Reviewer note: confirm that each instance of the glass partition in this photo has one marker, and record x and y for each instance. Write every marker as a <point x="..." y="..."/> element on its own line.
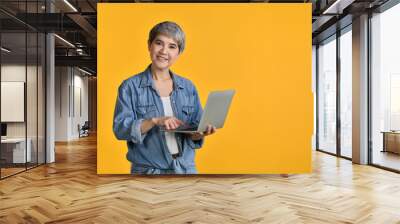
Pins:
<point x="22" y="77"/>
<point x="385" y="88"/>
<point x="327" y="95"/>
<point x="346" y="93"/>
<point x="14" y="154"/>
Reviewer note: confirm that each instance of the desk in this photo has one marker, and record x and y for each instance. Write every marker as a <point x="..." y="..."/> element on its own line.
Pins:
<point x="391" y="141"/>
<point x="13" y="150"/>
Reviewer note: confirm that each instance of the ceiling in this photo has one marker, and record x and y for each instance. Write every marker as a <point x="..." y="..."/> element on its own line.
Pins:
<point x="76" y="22"/>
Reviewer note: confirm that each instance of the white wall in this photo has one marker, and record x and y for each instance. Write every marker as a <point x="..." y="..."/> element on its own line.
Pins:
<point x="62" y="78"/>
<point x="81" y="100"/>
<point x="16" y="73"/>
<point x="13" y="72"/>
<point x="314" y="91"/>
<point x="33" y="126"/>
<point x="71" y="94"/>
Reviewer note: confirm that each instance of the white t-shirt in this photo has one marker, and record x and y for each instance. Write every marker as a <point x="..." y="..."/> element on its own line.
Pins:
<point x="170" y="137"/>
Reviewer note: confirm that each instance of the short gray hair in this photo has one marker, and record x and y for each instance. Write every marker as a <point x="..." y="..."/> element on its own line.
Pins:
<point x="171" y="30"/>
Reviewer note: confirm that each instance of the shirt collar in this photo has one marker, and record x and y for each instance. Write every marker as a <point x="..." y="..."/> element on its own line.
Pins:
<point x="147" y="79"/>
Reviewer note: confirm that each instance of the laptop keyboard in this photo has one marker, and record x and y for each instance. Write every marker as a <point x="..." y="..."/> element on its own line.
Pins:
<point x="187" y="128"/>
<point x="183" y="128"/>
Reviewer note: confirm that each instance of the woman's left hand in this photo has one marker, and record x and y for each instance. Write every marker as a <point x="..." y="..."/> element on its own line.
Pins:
<point x="199" y="135"/>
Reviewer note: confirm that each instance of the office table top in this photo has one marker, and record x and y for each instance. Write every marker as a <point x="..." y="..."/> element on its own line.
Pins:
<point x="13" y="140"/>
<point x="392" y="132"/>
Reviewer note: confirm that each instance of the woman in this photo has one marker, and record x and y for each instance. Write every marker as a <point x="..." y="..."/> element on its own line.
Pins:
<point x="158" y="97"/>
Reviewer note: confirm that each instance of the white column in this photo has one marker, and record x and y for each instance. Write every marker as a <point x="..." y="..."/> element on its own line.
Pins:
<point x="50" y="93"/>
<point x="50" y="110"/>
<point x="360" y="90"/>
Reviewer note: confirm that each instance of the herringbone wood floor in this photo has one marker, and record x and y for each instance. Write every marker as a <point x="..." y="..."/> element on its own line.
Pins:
<point x="70" y="191"/>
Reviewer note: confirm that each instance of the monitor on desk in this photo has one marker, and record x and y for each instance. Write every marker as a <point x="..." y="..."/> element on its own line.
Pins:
<point x="3" y="130"/>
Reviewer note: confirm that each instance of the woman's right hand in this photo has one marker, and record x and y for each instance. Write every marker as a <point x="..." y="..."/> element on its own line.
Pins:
<point x="168" y="122"/>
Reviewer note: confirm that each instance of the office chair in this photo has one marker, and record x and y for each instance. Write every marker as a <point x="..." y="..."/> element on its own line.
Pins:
<point x="84" y="130"/>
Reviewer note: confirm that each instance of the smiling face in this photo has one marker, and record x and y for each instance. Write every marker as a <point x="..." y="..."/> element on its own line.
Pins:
<point x="163" y="51"/>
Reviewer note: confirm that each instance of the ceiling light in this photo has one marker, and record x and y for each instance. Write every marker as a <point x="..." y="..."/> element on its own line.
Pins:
<point x="71" y="6"/>
<point x="338" y="6"/>
<point x="5" y="50"/>
<point x="64" y="40"/>
<point x="84" y="71"/>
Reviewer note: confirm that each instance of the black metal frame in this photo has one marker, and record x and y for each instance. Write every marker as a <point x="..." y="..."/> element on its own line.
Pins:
<point x="316" y="98"/>
<point x="26" y="89"/>
<point x="37" y="164"/>
<point x="380" y="9"/>
<point x="369" y="90"/>
<point x="338" y="153"/>
<point x="37" y="92"/>
<point x="0" y="90"/>
<point x="338" y="98"/>
<point x="389" y="4"/>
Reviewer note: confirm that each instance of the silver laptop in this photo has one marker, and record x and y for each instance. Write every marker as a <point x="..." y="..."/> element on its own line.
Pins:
<point x="215" y="112"/>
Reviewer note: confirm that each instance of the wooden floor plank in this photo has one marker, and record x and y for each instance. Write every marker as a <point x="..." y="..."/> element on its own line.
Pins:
<point x="70" y="191"/>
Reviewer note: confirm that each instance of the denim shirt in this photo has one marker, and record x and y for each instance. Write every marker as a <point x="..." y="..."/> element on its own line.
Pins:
<point x="138" y="100"/>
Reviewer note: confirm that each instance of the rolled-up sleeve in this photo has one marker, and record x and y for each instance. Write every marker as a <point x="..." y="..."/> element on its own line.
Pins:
<point x="198" y="111"/>
<point x="126" y="126"/>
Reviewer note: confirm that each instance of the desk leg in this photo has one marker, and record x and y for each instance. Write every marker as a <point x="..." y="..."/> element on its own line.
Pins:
<point x="384" y="142"/>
